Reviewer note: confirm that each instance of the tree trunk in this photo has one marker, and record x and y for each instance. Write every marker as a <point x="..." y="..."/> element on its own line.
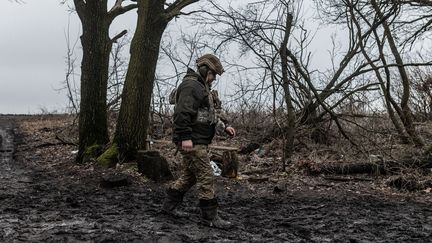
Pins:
<point x="96" y="46"/>
<point x="385" y="85"/>
<point x="407" y="118"/>
<point x="133" y="120"/>
<point x="289" y="132"/>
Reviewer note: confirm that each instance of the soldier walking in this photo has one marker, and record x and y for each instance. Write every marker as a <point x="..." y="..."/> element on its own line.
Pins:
<point x="195" y="122"/>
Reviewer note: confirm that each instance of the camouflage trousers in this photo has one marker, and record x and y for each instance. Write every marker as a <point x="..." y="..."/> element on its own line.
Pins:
<point x="196" y="170"/>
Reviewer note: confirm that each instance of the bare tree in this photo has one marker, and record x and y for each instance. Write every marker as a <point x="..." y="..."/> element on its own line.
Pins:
<point x="133" y="121"/>
<point x="422" y="93"/>
<point x="383" y="54"/>
<point x="96" y="44"/>
<point x="260" y="28"/>
<point x="406" y="117"/>
<point x="384" y="78"/>
<point x="414" y="24"/>
<point x="286" y="79"/>
<point x="117" y="74"/>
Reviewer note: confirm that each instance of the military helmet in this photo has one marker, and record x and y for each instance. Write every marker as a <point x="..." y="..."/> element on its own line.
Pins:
<point x="212" y="62"/>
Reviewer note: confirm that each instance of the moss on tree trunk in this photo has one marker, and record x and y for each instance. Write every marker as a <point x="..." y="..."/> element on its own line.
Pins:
<point x="133" y="121"/>
<point x="96" y="46"/>
<point x="110" y="157"/>
<point x="91" y="153"/>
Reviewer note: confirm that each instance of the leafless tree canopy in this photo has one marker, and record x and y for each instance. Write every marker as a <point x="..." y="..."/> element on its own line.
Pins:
<point x="375" y="67"/>
<point x="370" y="73"/>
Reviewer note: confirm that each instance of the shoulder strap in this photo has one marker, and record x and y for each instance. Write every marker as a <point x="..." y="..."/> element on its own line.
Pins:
<point x="172" y="97"/>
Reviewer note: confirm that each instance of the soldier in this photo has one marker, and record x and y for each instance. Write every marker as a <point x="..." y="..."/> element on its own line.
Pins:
<point x="195" y="122"/>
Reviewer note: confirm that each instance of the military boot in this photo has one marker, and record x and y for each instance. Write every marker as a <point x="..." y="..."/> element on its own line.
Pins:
<point x="172" y="200"/>
<point x="209" y="214"/>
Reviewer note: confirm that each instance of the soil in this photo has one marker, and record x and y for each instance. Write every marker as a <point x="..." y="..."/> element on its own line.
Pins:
<point x="46" y="197"/>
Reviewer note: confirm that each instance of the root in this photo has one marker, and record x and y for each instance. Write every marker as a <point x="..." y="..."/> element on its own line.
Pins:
<point x="110" y="157"/>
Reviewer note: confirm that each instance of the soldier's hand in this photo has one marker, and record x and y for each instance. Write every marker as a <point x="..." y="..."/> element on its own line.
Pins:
<point x="230" y="131"/>
<point x="187" y="145"/>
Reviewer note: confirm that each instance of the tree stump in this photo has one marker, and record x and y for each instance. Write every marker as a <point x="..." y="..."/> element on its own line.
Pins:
<point x="228" y="163"/>
<point x="153" y="165"/>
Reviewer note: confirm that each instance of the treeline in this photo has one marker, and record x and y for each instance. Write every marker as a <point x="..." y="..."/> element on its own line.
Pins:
<point x="375" y="71"/>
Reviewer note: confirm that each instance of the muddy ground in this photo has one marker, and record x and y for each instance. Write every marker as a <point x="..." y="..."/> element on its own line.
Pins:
<point x="45" y="197"/>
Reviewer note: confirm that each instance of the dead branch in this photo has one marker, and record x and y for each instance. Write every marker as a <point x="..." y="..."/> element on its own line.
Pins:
<point x="64" y="141"/>
<point x="175" y="8"/>
<point x="345" y="179"/>
<point x="118" y="36"/>
<point x="380" y="167"/>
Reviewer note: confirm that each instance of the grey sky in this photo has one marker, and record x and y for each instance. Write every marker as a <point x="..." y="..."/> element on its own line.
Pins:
<point x="33" y="50"/>
<point x="30" y="64"/>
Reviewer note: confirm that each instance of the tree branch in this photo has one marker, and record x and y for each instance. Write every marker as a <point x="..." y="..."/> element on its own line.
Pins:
<point x="80" y="7"/>
<point x="417" y="2"/>
<point x="175" y="8"/>
<point x="118" y="36"/>
<point x="118" y="4"/>
<point x="119" y="10"/>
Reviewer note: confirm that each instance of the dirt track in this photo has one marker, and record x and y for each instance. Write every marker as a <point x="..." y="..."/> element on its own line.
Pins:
<point x="48" y="199"/>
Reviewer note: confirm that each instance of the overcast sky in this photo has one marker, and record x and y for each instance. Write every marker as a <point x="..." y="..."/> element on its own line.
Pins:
<point x="31" y="60"/>
<point x="32" y="54"/>
<point x="33" y="50"/>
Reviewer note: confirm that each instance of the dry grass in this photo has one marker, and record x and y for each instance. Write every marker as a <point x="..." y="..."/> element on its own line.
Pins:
<point x="377" y="141"/>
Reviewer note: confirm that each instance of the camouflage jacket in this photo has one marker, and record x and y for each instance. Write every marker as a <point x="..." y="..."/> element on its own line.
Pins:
<point x="197" y="112"/>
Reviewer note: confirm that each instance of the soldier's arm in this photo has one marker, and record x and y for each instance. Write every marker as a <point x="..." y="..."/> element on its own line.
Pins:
<point x="223" y="125"/>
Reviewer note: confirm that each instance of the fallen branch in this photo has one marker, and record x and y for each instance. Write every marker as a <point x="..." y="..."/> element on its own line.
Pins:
<point x="64" y="142"/>
<point x="44" y="145"/>
<point x="344" y="179"/>
<point x="380" y="167"/>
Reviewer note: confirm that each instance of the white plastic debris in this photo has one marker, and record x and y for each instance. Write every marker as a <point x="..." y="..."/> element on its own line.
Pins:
<point x="74" y="151"/>
<point x="216" y="170"/>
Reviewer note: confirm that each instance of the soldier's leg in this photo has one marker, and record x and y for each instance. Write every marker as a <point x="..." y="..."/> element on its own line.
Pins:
<point x="203" y="173"/>
<point x="205" y="183"/>
<point x="187" y="176"/>
<point x="175" y="192"/>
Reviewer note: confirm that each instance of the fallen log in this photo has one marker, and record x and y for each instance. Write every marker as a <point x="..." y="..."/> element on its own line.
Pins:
<point x="376" y="167"/>
<point x="345" y="179"/>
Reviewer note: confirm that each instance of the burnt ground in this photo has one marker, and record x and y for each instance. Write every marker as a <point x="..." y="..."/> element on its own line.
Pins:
<point x="45" y="197"/>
